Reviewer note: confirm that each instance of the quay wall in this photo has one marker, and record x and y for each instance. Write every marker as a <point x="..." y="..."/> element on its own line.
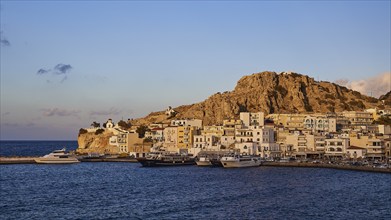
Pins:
<point x="330" y="166"/>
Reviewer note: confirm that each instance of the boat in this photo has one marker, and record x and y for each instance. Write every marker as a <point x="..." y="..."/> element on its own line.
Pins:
<point x="57" y="157"/>
<point x="212" y="158"/>
<point x="240" y="161"/>
<point x="154" y="159"/>
<point x="216" y="162"/>
<point x="203" y="161"/>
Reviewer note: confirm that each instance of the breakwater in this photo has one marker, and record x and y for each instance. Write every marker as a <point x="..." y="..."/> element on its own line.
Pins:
<point x="31" y="160"/>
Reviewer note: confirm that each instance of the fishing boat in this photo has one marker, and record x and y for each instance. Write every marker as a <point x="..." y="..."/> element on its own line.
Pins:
<point x="57" y="157"/>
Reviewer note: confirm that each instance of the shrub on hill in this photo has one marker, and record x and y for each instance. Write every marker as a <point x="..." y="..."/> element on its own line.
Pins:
<point x="99" y="131"/>
<point x="82" y="131"/>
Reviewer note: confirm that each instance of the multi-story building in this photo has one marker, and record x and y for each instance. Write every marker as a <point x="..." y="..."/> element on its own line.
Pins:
<point x="375" y="148"/>
<point x="209" y="142"/>
<point x="252" y="119"/>
<point x="358" y="118"/>
<point x="247" y="148"/>
<point x="289" y="121"/>
<point x="170" y="134"/>
<point x="336" y="147"/>
<point x="129" y="142"/>
<point x="185" y="136"/>
<point x="187" y="122"/>
<point x="320" y="124"/>
<point x="227" y="141"/>
<point x="375" y="145"/>
<point x="156" y="134"/>
<point x="304" y="145"/>
<point x="230" y="126"/>
<point x="213" y="130"/>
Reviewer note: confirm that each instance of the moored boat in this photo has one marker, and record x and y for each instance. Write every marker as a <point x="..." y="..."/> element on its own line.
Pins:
<point x="165" y="159"/>
<point x="57" y="157"/>
<point x="240" y="161"/>
<point x="216" y="162"/>
<point x="203" y="161"/>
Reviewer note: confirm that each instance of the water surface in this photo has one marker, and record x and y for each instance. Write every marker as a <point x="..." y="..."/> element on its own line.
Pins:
<point x="128" y="191"/>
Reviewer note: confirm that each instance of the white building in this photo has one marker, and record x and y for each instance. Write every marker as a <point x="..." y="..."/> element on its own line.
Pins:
<point x="170" y="138"/>
<point x="252" y="119"/>
<point x="355" y="152"/>
<point x="187" y="122"/>
<point x="320" y="124"/>
<point x="227" y="141"/>
<point x="247" y="148"/>
<point x="336" y="147"/>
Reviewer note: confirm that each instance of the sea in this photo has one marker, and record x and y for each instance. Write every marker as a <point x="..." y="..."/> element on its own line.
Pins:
<point x="120" y="190"/>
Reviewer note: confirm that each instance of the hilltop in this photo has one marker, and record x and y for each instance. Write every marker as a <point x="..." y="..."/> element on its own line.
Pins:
<point x="271" y="92"/>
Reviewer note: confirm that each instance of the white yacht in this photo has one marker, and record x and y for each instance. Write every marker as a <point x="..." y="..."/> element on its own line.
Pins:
<point x="240" y="161"/>
<point x="57" y="157"/>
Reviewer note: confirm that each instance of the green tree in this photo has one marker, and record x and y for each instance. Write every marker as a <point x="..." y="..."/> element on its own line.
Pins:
<point x="148" y="140"/>
<point x="124" y="125"/>
<point x="95" y="124"/>
<point x="82" y="131"/>
<point x="383" y="120"/>
<point x="141" y="131"/>
<point x="99" y="131"/>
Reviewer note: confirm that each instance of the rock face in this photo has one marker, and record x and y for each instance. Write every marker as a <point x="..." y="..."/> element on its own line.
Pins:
<point x="386" y="98"/>
<point x="270" y="92"/>
<point x="95" y="143"/>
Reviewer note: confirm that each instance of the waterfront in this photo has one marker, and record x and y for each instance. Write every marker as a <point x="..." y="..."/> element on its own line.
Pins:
<point x="128" y="191"/>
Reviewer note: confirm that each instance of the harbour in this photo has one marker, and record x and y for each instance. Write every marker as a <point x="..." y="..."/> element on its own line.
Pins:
<point x="31" y="160"/>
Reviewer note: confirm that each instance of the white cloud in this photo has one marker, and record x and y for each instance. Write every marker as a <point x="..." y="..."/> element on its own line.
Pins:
<point x="111" y="111"/>
<point x="373" y="86"/>
<point x="60" y="112"/>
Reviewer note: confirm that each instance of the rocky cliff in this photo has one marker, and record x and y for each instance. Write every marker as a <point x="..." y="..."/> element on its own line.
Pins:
<point x="271" y="92"/>
<point x="91" y="142"/>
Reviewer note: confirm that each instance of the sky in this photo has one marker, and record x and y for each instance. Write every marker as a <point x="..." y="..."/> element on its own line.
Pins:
<point x="65" y="64"/>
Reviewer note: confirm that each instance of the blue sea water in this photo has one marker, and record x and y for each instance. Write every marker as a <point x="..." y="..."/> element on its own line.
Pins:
<point x="129" y="191"/>
<point x="33" y="148"/>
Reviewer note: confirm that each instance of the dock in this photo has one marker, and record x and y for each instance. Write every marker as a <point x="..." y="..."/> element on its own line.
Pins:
<point x="31" y="160"/>
<point x="17" y="160"/>
<point x="329" y="166"/>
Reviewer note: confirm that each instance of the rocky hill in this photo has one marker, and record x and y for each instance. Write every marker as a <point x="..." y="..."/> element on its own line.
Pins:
<point x="386" y="98"/>
<point x="271" y="92"/>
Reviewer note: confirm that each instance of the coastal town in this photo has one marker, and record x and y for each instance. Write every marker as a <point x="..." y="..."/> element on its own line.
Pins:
<point x="357" y="136"/>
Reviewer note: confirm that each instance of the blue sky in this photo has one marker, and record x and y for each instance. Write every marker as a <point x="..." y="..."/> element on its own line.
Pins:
<point x="126" y="59"/>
